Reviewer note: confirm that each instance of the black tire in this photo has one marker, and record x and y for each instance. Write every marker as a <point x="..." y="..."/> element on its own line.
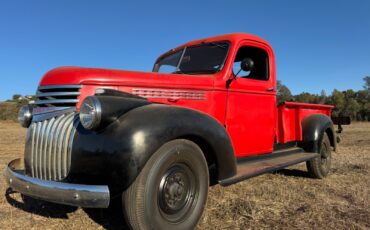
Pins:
<point x="320" y="167"/>
<point x="171" y="190"/>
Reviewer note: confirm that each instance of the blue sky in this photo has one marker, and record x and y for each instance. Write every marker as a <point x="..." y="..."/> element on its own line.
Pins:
<point x="318" y="44"/>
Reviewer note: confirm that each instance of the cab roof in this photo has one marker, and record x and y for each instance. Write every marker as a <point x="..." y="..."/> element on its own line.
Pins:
<point x="232" y="37"/>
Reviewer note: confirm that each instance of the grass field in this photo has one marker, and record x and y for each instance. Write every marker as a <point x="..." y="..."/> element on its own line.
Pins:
<point x="284" y="200"/>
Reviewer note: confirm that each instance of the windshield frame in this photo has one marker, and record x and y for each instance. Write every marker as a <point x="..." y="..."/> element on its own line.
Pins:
<point x="183" y="50"/>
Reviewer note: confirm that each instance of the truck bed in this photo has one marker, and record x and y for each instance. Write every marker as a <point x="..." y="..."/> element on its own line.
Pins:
<point x="290" y="116"/>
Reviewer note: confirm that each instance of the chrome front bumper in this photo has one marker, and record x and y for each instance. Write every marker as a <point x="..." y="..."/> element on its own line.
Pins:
<point x="89" y="196"/>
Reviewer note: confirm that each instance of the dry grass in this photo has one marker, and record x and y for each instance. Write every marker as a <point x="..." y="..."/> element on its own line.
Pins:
<point x="288" y="199"/>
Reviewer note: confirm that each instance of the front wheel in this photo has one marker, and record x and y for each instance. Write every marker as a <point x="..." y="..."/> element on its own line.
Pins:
<point x="171" y="190"/>
<point x="319" y="167"/>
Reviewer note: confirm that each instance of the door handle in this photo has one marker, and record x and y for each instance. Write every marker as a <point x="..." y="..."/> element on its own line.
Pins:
<point x="270" y="89"/>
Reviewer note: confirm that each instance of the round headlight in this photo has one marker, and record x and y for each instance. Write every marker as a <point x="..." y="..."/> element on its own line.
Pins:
<point x="25" y="116"/>
<point x="90" y="113"/>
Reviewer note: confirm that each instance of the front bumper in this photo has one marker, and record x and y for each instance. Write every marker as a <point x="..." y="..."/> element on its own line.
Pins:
<point x="89" y="196"/>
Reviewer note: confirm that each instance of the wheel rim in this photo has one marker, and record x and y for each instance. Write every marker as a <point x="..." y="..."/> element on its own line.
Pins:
<point x="177" y="192"/>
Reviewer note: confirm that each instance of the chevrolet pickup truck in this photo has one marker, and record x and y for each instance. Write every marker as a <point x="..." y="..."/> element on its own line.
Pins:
<point x="206" y="114"/>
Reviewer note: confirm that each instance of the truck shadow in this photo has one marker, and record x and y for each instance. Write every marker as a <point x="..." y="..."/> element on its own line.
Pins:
<point x="109" y="218"/>
<point x="38" y="207"/>
<point x="293" y="173"/>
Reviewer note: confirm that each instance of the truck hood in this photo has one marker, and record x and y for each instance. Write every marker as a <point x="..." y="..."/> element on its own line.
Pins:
<point x="110" y="77"/>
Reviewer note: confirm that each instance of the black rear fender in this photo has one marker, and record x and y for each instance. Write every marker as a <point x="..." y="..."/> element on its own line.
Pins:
<point x="313" y="129"/>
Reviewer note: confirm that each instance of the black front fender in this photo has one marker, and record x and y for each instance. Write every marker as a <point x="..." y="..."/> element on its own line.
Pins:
<point x="117" y="153"/>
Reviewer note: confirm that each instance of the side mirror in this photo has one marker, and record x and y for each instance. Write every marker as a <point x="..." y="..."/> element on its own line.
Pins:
<point x="247" y="64"/>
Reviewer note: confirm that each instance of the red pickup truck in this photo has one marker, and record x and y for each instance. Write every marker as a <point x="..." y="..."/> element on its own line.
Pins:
<point x="207" y="114"/>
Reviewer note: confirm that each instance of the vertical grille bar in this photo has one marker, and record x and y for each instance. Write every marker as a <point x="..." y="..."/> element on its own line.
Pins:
<point x="65" y="146"/>
<point x="42" y="137"/>
<point x="70" y="141"/>
<point x="51" y="146"/>
<point x="35" y="156"/>
<point x="60" y="144"/>
<point x="56" y="148"/>
<point x="46" y="155"/>
<point x="33" y="130"/>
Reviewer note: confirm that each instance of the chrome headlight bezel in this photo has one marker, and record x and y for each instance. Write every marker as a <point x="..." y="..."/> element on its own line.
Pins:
<point x="25" y="116"/>
<point x="90" y="113"/>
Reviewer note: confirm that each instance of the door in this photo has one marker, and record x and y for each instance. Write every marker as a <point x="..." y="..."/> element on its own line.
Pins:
<point x="251" y="103"/>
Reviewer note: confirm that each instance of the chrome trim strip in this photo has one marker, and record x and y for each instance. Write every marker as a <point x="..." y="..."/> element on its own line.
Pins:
<point x="169" y="93"/>
<point x="59" y="87"/>
<point x="56" y="113"/>
<point x="57" y="94"/>
<point x="56" y="101"/>
<point x="89" y="196"/>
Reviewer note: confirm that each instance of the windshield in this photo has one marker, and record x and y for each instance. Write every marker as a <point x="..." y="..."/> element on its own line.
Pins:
<point x="200" y="59"/>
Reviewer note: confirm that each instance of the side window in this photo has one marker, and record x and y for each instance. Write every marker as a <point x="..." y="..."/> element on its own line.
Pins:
<point x="260" y="59"/>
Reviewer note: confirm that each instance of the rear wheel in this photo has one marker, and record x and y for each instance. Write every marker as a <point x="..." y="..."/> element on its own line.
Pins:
<point x="171" y="190"/>
<point x="319" y="167"/>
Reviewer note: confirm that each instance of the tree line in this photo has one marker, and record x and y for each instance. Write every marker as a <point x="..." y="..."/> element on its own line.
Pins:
<point x="10" y="108"/>
<point x="355" y="104"/>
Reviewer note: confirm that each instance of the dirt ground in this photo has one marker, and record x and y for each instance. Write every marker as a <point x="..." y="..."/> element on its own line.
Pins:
<point x="284" y="200"/>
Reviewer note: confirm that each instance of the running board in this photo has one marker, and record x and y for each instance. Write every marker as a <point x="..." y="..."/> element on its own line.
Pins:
<point x="255" y="166"/>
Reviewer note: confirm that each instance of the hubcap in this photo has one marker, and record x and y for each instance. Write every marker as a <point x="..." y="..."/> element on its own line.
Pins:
<point x="176" y="190"/>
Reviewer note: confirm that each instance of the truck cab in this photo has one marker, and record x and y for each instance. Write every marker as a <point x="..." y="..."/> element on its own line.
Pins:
<point x="206" y="114"/>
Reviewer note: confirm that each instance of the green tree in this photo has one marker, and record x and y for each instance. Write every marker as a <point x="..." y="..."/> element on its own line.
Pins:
<point x="323" y="97"/>
<point x="305" y="98"/>
<point x="367" y="83"/>
<point x="283" y="93"/>
<point x="351" y="106"/>
<point x="337" y="99"/>
<point x="363" y="98"/>
<point x="16" y="97"/>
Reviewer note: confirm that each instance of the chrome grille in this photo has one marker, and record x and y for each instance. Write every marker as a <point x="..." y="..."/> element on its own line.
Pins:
<point x="58" y="95"/>
<point x="49" y="147"/>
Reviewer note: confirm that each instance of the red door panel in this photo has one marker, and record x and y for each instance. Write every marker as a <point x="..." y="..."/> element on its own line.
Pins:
<point x="250" y="122"/>
<point x="251" y="103"/>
